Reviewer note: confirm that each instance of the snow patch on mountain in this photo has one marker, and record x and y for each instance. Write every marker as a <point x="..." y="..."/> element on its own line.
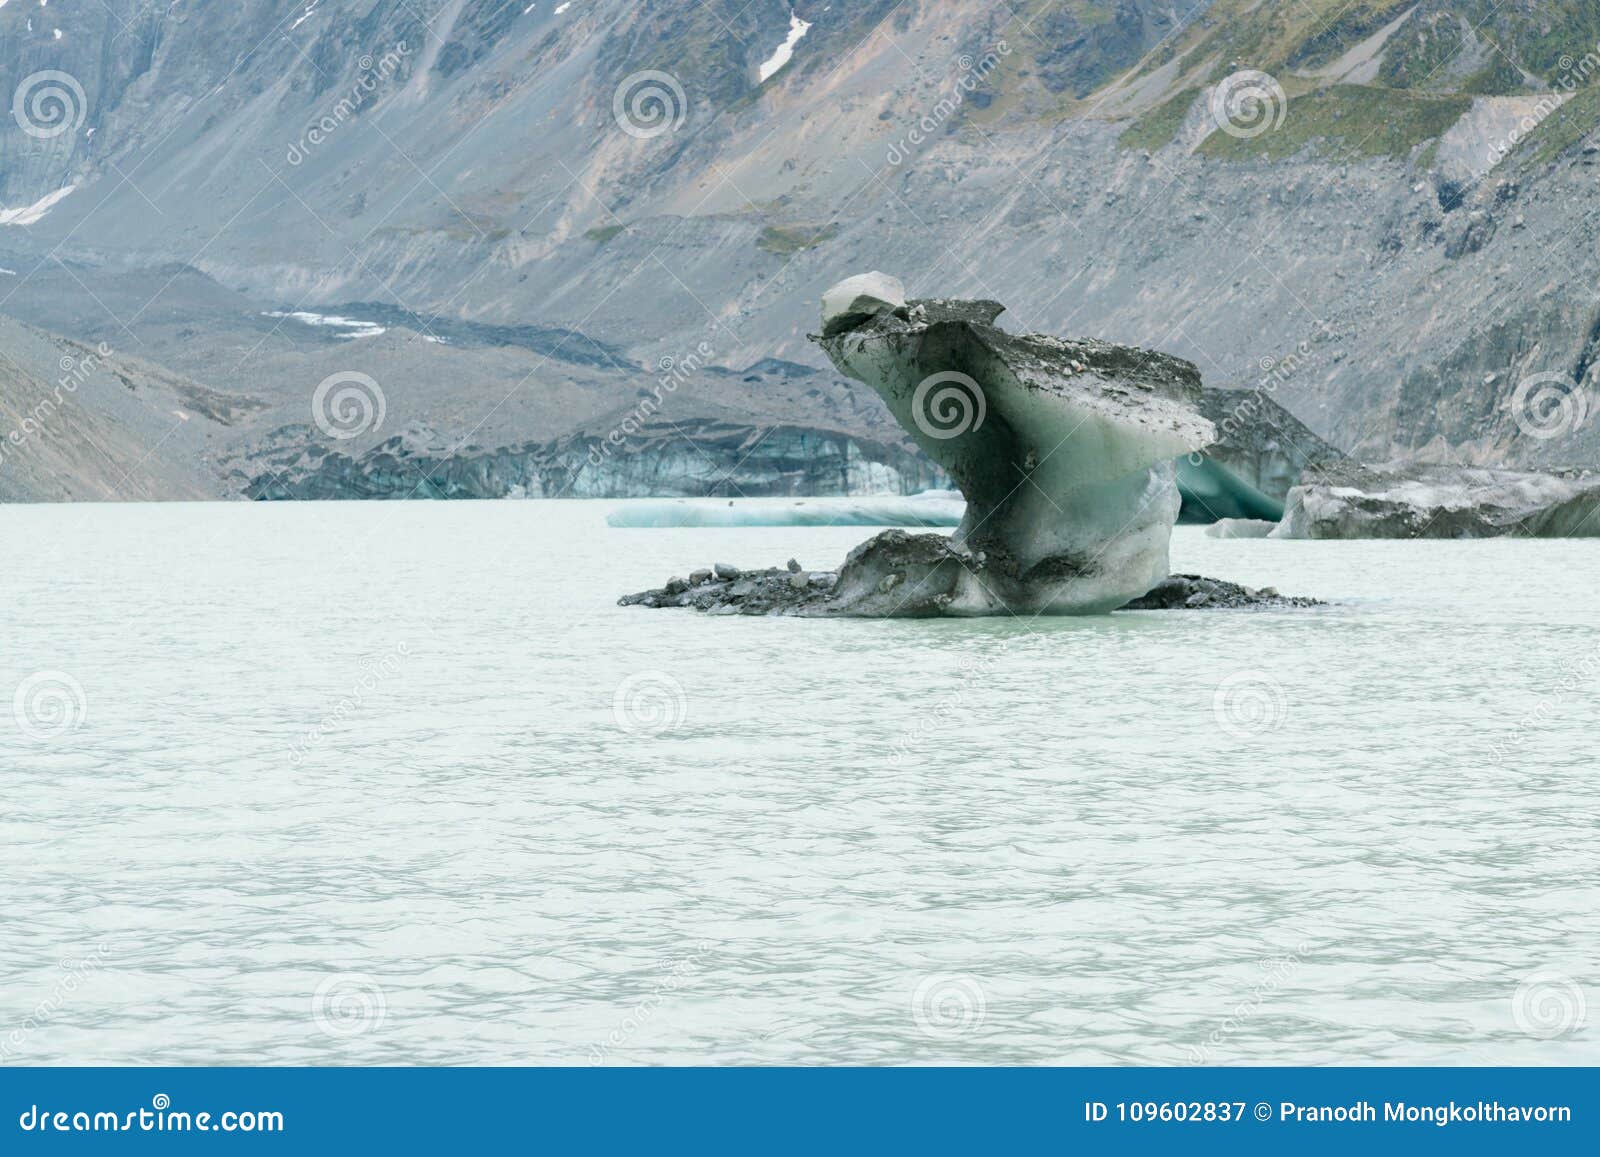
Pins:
<point x="797" y="30"/>
<point x="354" y="327"/>
<point x="32" y="213"/>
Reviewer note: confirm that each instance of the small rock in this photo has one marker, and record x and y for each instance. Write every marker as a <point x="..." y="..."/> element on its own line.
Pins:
<point x="676" y="586"/>
<point x="794" y="567"/>
<point x="799" y="580"/>
<point x="1198" y="599"/>
<point x="699" y="576"/>
<point x="726" y="572"/>
<point x="889" y="582"/>
<point x="1268" y="592"/>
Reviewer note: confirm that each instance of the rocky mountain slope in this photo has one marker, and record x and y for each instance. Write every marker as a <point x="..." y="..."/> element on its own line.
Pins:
<point x="542" y="230"/>
<point x="81" y="423"/>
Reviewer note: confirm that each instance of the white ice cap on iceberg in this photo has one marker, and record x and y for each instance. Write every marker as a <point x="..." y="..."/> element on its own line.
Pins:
<point x="856" y="298"/>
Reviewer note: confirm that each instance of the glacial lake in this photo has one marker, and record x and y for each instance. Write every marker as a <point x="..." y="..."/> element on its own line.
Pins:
<point x="399" y="783"/>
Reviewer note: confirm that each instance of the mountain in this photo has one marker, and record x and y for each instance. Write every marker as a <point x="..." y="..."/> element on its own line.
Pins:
<point x="511" y="235"/>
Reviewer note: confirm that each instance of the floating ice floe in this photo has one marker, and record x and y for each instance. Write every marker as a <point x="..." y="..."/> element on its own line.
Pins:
<point x="1240" y="528"/>
<point x="930" y="508"/>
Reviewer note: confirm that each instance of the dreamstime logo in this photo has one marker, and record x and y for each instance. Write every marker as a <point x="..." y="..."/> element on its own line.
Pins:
<point x="948" y="404"/>
<point x="74" y="973"/>
<point x="974" y="72"/>
<point x="973" y="673"/>
<point x="348" y="404"/>
<point x="49" y="704"/>
<point x="373" y="673"/>
<point x="649" y="703"/>
<point x="679" y="974"/>
<point x="348" y="1005"/>
<point x="1249" y="704"/>
<point x="1248" y="103"/>
<point x="649" y="103"/>
<point x="373" y="74"/>
<point x="947" y="1005"/>
<point x="1274" y="373"/>
<point x="49" y="103"/>
<point x="1577" y="674"/>
<point x="1549" y="405"/>
<point x="674" y="372"/>
<point x="1575" y="75"/>
<point x="37" y="421"/>
<point x="1275" y="973"/>
<point x="1548" y="1005"/>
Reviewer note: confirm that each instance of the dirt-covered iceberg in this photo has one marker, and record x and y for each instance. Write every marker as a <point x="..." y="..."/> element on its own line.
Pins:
<point x="1418" y="501"/>
<point x="1063" y="449"/>
<point x="1261" y="452"/>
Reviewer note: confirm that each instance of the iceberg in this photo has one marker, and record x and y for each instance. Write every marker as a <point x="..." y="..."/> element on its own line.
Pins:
<point x="1401" y="500"/>
<point x="1241" y="528"/>
<point x="1261" y="452"/>
<point x="927" y="509"/>
<point x="1064" y="450"/>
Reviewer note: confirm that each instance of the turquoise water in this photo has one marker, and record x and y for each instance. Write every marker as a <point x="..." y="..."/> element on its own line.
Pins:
<point x="399" y="783"/>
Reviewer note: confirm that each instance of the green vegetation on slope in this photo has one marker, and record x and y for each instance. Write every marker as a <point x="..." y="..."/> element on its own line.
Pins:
<point x="1500" y="77"/>
<point x="1349" y="26"/>
<point x="786" y="239"/>
<point x="1419" y="53"/>
<point x="1562" y="129"/>
<point x="1158" y="126"/>
<point x="1347" y="122"/>
<point x="1558" y="31"/>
